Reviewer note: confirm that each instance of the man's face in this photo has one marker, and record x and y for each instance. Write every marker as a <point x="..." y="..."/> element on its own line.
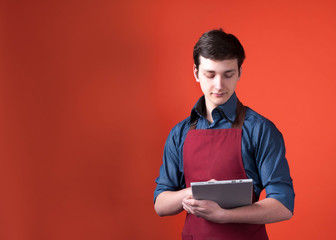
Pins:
<point x="218" y="80"/>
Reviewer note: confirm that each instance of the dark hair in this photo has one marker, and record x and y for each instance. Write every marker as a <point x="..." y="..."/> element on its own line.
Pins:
<point x="218" y="45"/>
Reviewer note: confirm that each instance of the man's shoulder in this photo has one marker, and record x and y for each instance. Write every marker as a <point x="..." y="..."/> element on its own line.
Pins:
<point x="255" y="116"/>
<point x="181" y="127"/>
<point x="178" y="133"/>
<point x="257" y="121"/>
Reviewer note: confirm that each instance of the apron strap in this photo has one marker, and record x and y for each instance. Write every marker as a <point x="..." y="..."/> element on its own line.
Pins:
<point x="240" y="116"/>
<point x="193" y="125"/>
<point x="238" y="122"/>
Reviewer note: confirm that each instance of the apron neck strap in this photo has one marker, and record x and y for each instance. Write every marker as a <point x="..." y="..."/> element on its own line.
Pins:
<point x="240" y="116"/>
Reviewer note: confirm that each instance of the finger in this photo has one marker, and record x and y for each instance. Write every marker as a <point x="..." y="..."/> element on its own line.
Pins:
<point x="192" y="202"/>
<point x="187" y="208"/>
<point x="186" y="198"/>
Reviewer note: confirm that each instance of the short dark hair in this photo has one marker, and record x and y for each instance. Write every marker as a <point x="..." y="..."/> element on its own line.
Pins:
<point x="218" y="45"/>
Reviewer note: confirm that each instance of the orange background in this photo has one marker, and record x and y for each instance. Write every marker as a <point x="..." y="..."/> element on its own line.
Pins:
<point x="90" y="90"/>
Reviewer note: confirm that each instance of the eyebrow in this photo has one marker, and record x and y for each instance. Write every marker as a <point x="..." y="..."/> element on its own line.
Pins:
<point x="211" y="71"/>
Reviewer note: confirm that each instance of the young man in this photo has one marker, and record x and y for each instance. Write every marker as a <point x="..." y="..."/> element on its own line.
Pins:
<point x="222" y="140"/>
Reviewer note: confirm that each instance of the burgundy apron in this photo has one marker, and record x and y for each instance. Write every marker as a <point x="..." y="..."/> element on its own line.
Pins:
<point x="216" y="154"/>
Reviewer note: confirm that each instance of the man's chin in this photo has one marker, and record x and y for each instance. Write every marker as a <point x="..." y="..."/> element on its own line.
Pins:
<point x="220" y="102"/>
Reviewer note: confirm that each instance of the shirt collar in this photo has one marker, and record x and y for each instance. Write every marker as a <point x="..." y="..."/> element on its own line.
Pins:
<point x="229" y="108"/>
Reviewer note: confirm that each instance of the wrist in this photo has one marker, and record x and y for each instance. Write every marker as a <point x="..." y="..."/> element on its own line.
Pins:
<point x="224" y="216"/>
<point x="187" y="192"/>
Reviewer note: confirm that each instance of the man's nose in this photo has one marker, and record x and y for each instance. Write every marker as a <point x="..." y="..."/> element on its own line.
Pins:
<point x="218" y="82"/>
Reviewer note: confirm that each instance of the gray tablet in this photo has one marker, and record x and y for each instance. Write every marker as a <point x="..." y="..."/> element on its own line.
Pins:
<point x="228" y="193"/>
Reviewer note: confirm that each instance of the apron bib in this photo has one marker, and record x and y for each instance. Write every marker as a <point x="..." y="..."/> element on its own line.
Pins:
<point x="216" y="154"/>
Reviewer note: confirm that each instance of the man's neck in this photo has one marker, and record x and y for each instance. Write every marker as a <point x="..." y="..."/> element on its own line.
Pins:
<point x="208" y="113"/>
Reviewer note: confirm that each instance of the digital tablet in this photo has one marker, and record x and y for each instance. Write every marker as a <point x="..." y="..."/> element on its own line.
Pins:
<point x="228" y="194"/>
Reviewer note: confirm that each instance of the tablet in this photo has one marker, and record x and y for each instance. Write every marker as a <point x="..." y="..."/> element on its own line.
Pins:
<point x="228" y="194"/>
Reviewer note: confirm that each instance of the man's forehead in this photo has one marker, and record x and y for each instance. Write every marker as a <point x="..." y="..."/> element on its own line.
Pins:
<point x="203" y="59"/>
<point x="207" y="64"/>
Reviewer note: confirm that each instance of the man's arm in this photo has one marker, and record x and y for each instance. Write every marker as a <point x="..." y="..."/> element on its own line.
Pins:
<point x="265" y="211"/>
<point x="171" y="187"/>
<point x="170" y="202"/>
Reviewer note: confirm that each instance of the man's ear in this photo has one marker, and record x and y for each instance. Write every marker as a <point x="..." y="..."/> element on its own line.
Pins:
<point x="195" y="70"/>
<point x="240" y="72"/>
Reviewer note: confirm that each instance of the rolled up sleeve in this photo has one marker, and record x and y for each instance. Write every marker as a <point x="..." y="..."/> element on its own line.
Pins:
<point x="171" y="176"/>
<point x="272" y="164"/>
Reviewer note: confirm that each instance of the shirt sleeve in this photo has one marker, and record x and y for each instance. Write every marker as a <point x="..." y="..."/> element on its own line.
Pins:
<point x="272" y="164"/>
<point x="171" y="176"/>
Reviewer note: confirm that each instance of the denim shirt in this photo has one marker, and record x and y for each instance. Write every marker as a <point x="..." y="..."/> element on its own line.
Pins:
<point x="263" y="152"/>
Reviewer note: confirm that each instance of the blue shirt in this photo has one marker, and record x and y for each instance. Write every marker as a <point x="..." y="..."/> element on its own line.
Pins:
<point x="263" y="152"/>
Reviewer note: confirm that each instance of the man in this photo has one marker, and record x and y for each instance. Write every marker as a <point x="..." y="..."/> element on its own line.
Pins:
<point x="222" y="140"/>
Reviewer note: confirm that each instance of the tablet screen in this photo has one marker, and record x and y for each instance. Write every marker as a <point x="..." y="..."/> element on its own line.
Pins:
<point x="228" y="194"/>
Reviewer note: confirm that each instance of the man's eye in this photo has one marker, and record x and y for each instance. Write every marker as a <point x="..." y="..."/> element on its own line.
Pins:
<point x="228" y="76"/>
<point x="210" y="76"/>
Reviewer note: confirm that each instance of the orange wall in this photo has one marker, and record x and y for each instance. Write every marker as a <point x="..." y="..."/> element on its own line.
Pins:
<point x="89" y="91"/>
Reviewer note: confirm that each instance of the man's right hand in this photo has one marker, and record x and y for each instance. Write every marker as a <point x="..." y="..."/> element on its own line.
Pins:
<point x="170" y="202"/>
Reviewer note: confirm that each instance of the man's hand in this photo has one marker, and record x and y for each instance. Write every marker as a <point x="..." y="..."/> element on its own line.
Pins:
<point x="268" y="210"/>
<point x="170" y="202"/>
<point x="206" y="209"/>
